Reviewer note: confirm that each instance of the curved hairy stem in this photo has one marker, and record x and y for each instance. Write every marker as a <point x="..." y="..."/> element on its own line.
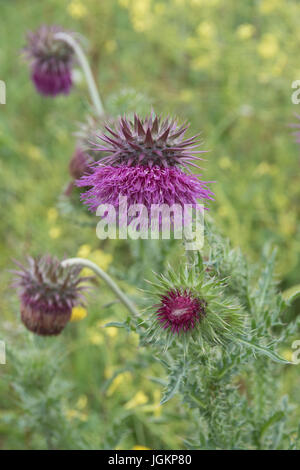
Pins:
<point x="95" y="97"/>
<point x="105" y="277"/>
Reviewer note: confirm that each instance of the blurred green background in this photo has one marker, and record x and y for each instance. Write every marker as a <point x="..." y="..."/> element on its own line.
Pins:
<point x="227" y="67"/>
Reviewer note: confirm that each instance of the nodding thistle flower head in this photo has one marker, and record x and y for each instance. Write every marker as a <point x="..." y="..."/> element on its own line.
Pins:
<point x="79" y="165"/>
<point x="51" y="61"/>
<point x="48" y="292"/>
<point x="146" y="160"/>
<point x="191" y="305"/>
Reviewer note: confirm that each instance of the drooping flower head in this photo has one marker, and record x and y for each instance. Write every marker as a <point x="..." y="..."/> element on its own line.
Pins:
<point x="51" y="61"/>
<point x="146" y="161"/>
<point x="185" y="302"/>
<point x="48" y="291"/>
<point x="79" y="163"/>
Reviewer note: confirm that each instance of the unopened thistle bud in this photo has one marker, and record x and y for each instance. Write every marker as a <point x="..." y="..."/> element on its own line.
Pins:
<point x="191" y="304"/>
<point x="51" y="61"/>
<point x="79" y="163"/>
<point x="48" y="292"/>
<point x="78" y="166"/>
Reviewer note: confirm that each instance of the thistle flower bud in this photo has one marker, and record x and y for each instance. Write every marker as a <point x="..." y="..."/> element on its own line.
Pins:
<point x="51" y="61"/>
<point x="180" y="310"/>
<point x="79" y="163"/>
<point x="48" y="292"/>
<point x="188" y="303"/>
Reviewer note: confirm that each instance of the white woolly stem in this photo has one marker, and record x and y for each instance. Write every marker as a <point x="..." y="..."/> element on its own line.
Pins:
<point x="105" y="277"/>
<point x="94" y="93"/>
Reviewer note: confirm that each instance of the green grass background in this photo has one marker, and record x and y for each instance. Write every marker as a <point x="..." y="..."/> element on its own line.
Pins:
<point x="227" y="67"/>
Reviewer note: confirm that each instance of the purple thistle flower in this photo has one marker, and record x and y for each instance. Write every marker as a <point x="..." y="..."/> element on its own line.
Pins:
<point x="51" y="61"/>
<point x="144" y="162"/>
<point x="142" y="185"/>
<point x="180" y="311"/>
<point x="149" y="142"/>
<point x="48" y="292"/>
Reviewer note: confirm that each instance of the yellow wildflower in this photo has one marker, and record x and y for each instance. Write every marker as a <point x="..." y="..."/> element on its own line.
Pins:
<point x="98" y="256"/>
<point x="118" y="380"/>
<point x="84" y="251"/>
<point x="54" y="233"/>
<point x="139" y="399"/>
<point x="75" y="414"/>
<point x="245" y="31"/>
<point x="287" y="354"/>
<point x="111" y="332"/>
<point x="78" y="314"/>
<point x="268" y="47"/>
<point x="94" y="337"/>
<point x="82" y="402"/>
<point x="155" y="407"/>
<point x="76" y="9"/>
<point x="137" y="447"/>
<point x="124" y="3"/>
<point x="206" y="30"/>
<point x="33" y="152"/>
<point x="267" y="6"/>
<point x="52" y="214"/>
<point x="101" y="258"/>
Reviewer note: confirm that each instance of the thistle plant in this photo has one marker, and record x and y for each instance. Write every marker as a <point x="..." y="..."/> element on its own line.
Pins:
<point x="145" y="162"/>
<point x="215" y="322"/>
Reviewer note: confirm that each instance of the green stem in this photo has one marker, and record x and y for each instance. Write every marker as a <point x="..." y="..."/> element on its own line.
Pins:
<point x="105" y="277"/>
<point x="95" y="97"/>
<point x="190" y="255"/>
